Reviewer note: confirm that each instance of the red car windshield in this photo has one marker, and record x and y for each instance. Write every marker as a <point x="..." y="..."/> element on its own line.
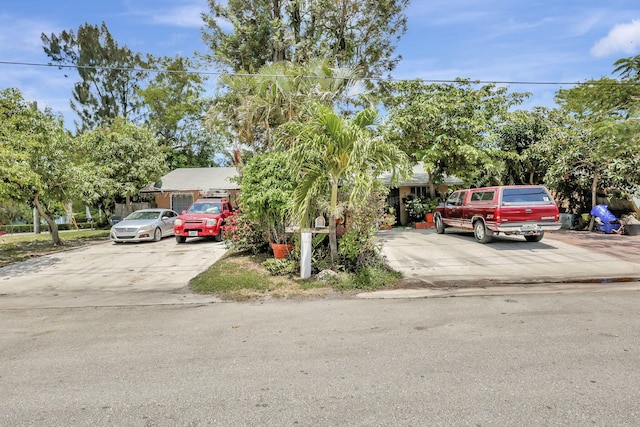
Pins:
<point x="212" y="208"/>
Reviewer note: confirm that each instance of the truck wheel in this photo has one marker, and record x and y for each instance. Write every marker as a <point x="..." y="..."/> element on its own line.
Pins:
<point x="535" y="238"/>
<point x="181" y="239"/>
<point x="439" y="224"/>
<point x="218" y="237"/>
<point x="480" y="232"/>
<point x="157" y="235"/>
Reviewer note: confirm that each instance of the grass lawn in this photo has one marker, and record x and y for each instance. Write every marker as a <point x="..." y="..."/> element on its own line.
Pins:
<point x="240" y="277"/>
<point x="20" y="247"/>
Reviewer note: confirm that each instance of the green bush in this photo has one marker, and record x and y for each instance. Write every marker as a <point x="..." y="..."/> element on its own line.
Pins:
<point x="280" y="267"/>
<point x="28" y="228"/>
<point x="240" y="234"/>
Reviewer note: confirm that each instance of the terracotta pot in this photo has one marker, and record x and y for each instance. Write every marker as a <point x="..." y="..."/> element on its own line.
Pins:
<point x="421" y="225"/>
<point x="281" y="250"/>
<point x="429" y="218"/>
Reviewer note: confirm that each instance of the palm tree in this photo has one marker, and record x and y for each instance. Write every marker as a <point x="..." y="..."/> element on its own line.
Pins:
<point x="329" y="150"/>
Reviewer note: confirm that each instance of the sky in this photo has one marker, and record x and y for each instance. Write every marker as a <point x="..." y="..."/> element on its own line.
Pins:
<point x="520" y="41"/>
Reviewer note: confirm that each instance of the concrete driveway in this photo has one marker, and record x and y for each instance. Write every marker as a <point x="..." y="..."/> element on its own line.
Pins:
<point x="106" y="274"/>
<point x="454" y="258"/>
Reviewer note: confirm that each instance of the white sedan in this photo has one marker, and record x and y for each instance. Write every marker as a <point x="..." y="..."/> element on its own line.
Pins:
<point x="144" y="225"/>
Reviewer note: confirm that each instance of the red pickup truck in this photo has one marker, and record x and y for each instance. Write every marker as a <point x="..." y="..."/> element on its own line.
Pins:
<point x="204" y="218"/>
<point x="527" y="210"/>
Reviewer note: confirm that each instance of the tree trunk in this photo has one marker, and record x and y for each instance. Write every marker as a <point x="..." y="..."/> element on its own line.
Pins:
<point x="53" y="227"/>
<point x="128" y="204"/>
<point x="333" y="239"/>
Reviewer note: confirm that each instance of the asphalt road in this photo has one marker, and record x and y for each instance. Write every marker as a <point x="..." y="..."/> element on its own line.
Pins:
<point x="508" y="361"/>
<point x="110" y="335"/>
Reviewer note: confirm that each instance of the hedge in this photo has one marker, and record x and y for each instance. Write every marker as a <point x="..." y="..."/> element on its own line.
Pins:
<point x="27" y="228"/>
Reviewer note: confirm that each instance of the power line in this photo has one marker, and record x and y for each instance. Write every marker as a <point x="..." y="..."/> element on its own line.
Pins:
<point x="235" y="74"/>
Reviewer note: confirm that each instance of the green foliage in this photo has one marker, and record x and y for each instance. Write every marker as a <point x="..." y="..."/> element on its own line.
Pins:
<point x="330" y="150"/>
<point x="119" y="160"/>
<point x="281" y="267"/>
<point x="12" y="211"/>
<point x="446" y="125"/>
<point x="241" y="234"/>
<point x="37" y="158"/>
<point x="28" y="228"/>
<point x="174" y="110"/>
<point x="267" y="192"/>
<point x="592" y="150"/>
<point x="250" y="109"/>
<point x="416" y="207"/>
<point x="516" y="147"/>
<point x="367" y="278"/>
<point x="358" y="34"/>
<point x="109" y="73"/>
<point x="230" y="278"/>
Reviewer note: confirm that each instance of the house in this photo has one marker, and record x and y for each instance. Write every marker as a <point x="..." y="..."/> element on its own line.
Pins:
<point x="179" y="188"/>
<point x="416" y="185"/>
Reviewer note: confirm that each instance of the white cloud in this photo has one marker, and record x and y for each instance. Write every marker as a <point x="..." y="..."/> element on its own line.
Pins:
<point x="623" y="38"/>
<point x="184" y="16"/>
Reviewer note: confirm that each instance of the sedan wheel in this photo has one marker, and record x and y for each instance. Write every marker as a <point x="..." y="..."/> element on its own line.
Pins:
<point x="480" y="232"/>
<point x="157" y="235"/>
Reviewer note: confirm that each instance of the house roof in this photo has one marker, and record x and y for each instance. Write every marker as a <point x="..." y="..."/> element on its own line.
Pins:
<point x="419" y="178"/>
<point x="201" y="179"/>
<point x="206" y="179"/>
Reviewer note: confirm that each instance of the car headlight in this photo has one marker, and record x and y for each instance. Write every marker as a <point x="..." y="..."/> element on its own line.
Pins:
<point x="211" y="222"/>
<point x="177" y="222"/>
<point x="146" y="228"/>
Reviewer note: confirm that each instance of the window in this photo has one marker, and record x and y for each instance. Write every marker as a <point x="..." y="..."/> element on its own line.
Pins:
<point x="482" y="196"/>
<point x="422" y="192"/>
<point x="456" y="198"/>
<point x="181" y="201"/>
<point x="531" y="195"/>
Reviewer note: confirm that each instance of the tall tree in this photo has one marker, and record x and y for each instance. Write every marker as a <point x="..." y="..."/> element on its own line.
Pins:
<point x="109" y="74"/>
<point x="120" y="160"/>
<point x="603" y="130"/>
<point x="516" y="145"/>
<point x="355" y="33"/>
<point x="446" y="125"/>
<point x="36" y="158"/>
<point x="174" y="111"/>
<point x="256" y="105"/>
<point x="328" y="151"/>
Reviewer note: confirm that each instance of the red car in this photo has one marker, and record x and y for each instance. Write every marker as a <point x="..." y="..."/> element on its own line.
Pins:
<point x="204" y="218"/>
<point x="523" y="210"/>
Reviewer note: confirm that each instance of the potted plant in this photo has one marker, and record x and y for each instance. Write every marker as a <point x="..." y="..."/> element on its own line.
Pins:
<point x="388" y="219"/>
<point x="430" y="206"/>
<point x="415" y="208"/>
<point x="266" y="196"/>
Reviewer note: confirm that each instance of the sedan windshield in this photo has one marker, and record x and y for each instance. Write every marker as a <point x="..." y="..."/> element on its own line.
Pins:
<point x="137" y="216"/>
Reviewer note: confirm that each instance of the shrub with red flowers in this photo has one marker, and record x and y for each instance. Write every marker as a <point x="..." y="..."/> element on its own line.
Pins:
<point x="242" y="235"/>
